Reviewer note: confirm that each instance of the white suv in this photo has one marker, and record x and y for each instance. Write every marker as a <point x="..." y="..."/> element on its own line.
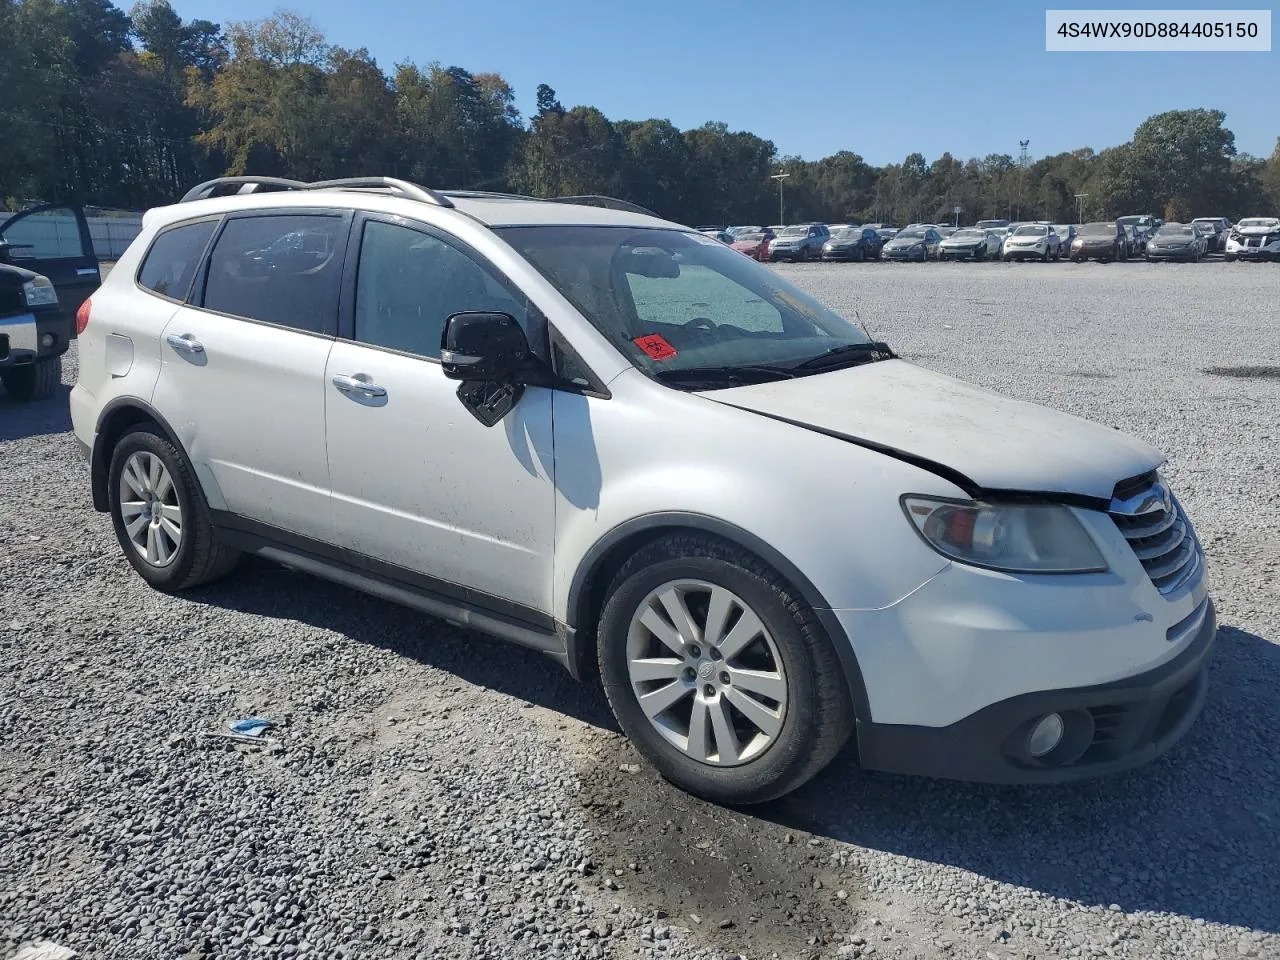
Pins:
<point x="609" y="438"/>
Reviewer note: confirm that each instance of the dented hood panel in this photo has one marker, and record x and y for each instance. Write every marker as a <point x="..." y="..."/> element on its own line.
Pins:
<point x="996" y="442"/>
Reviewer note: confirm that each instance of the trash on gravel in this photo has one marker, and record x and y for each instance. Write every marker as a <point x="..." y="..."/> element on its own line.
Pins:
<point x="629" y="767"/>
<point x="248" y="730"/>
<point x="250" y="726"/>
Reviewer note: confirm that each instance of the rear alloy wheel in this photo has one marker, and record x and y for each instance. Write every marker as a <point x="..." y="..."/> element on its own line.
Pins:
<point x="34" y="381"/>
<point x="721" y="677"/>
<point x="160" y="515"/>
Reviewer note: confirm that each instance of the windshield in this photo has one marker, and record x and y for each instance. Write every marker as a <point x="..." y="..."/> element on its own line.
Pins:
<point x="673" y="301"/>
<point x="912" y="234"/>
<point x="1032" y="230"/>
<point x="796" y="232"/>
<point x="1256" y="222"/>
<point x="968" y="235"/>
<point x="1174" y="230"/>
<point x="847" y="233"/>
<point x="749" y="237"/>
<point x="1098" y="230"/>
<point x="1133" y="221"/>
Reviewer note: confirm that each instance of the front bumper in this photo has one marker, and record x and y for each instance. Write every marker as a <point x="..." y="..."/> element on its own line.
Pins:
<point x="1024" y="253"/>
<point x="960" y="253"/>
<point x="1253" y="253"/>
<point x="1166" y="253"/>
<point x="1109" y="727"/>
<point x="843" y="253"/>
<point x="21" y="337"/>
<point x="903" y="254"/>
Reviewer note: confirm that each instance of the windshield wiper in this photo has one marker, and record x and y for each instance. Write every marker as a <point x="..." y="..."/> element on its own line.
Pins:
<point x="853" y="353"/>
<point x="746" y="373"/>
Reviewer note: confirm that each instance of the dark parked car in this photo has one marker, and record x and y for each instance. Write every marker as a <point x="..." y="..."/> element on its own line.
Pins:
<point x="1144" y="227"/>
<point x="801" y="241"/>
<point x="1175" y="241"/>
<point x="1101" y="241"/>
<point x="1220" y="226"/>
<point x="853" y="243"/>
<point x="53" y="241"/>
<point x="34" y="331"/>
<point x="913" y="243"/>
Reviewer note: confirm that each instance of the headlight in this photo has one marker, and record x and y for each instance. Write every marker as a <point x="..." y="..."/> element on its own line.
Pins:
<point x="1036" y="538"/>
<point x="39" y="292"/>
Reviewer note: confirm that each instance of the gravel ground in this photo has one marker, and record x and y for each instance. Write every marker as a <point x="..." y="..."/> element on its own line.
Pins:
<point x="433" y="794"/>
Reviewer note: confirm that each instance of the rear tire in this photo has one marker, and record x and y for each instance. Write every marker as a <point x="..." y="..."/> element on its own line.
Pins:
<point x="197" y="557"/>
<point x="813" y="718"/>
<point x="34" y="381"/>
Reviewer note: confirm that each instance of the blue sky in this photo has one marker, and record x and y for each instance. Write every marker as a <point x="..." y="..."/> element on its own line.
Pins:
<point x="879" y="77"/>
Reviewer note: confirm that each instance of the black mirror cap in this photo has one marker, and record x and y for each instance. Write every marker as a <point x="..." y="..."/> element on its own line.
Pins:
<point x="483" y="346"/>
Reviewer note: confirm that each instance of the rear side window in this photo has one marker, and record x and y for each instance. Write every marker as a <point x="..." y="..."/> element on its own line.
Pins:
<point x="279" y="269"/>
<point x="174" y="257"/>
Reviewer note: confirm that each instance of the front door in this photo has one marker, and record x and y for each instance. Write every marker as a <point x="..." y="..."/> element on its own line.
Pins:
<point x="242" y="376"/>
<point x="461" y="509"/>
<point x="54" y="241"/>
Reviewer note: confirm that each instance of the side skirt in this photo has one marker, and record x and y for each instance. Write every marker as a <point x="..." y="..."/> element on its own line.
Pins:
<point x="449" y="602"/>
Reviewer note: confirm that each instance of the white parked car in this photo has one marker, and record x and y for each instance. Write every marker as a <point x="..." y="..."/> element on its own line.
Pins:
<point x="970" y="243"/>
<point x="1032" y="241"/>
<point x="1254" y="238"/>
<point x="611" y="439"/>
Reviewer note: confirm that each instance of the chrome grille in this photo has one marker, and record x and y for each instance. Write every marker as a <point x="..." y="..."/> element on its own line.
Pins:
<point x="1158" y="531"/>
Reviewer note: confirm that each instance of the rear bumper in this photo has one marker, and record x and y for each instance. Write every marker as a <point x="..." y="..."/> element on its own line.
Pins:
<point x="1110" y="727"/>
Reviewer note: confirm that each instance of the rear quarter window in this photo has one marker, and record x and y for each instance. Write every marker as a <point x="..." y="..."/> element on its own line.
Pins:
<point x="174" y="258"/>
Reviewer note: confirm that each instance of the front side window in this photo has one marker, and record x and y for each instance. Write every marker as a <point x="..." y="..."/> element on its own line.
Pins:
<point x="410" y="282"/>
<point x="671" y="301"/>
<point x="279" y="269"/>
<point x="174" y="258"/>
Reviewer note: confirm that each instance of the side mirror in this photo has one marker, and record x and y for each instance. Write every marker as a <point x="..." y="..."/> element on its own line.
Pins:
<point x="483" y="346"/>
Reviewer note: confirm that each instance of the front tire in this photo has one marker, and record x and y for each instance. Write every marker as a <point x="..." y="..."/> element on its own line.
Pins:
<point x="718" y="672"/>
<point x="34" y="381"/>
<point x="160" y="515"/>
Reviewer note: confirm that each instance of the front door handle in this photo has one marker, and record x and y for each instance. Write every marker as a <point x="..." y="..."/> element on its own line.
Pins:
<point x="358" y="385"/>
<point x="185" y="343"/>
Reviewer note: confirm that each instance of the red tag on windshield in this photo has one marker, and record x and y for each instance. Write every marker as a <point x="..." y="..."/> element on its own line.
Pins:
<point x="656" y="346"/>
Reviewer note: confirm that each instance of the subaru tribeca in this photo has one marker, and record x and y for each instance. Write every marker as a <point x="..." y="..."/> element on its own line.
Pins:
<point x="589" y="431"/>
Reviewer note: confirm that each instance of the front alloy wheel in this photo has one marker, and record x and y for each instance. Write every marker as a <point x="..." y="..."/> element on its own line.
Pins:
<point x="706" y="672"/>
<point x="721" y="676"/>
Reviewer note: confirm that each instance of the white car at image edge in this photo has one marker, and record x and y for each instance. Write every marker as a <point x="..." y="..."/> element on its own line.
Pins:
<point x="603" y="436"/>
<point x="1254" y="238"/>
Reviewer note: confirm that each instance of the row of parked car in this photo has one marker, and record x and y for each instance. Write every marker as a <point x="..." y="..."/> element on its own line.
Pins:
<point x="1132" y="237"/>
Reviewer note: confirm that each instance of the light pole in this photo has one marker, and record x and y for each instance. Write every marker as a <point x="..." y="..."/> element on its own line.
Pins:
<point x="1080" y="206"/>
<point x="780" y="177"/>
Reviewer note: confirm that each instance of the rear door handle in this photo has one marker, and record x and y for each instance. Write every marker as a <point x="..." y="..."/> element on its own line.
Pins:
<point x="185" y="343"/>
<point x="358" y="385"/>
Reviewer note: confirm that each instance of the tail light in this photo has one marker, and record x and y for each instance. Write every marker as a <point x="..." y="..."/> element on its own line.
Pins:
<point x="82" y="316"/>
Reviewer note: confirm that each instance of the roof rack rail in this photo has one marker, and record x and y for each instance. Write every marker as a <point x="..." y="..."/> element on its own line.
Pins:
<point x="609" y="203"/>
<point x="211" y="188"/>
<point x="486" y="195"/>
<point x="413" y="191"/>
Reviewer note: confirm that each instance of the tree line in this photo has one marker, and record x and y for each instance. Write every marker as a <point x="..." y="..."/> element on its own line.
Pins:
<point x="130" y="109"/>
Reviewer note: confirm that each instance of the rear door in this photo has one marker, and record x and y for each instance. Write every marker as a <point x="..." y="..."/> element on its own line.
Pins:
<point x="242" y="375"/>
<point x="54" y="240"/>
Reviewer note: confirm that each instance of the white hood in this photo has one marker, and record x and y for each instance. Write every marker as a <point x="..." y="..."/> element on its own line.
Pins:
<point x="996" y="442"/>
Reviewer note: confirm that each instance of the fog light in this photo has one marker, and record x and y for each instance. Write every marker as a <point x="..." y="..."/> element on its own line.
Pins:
<point x="46" y="340"/>
<point x="1045" y="735"/>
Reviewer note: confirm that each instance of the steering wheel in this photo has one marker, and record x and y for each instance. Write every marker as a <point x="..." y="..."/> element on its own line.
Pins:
<point x="703" y="325"/>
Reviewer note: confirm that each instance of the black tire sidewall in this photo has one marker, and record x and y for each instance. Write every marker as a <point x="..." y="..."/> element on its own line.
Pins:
<point x="176" y="573"/>
<point x="741" y="784"/>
